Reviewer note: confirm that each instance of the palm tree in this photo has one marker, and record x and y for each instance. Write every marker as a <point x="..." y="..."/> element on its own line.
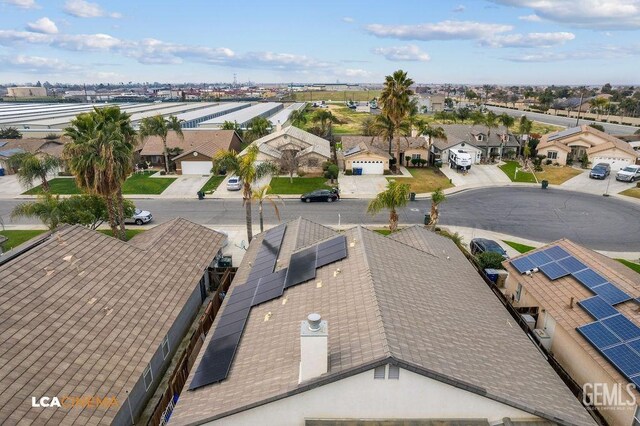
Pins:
<point x="368" y="126"/>
<point x="246" y="168"/>
<point x="507" y="121"/>
<point x="524" y="128"/>
<point x="599" y="104"/>
<point x="396" y="195"/>
<point x="261" y="195"/>
<point x="159" y="126"/>
<point x="385" y="129"/>
<point x="426" y="129"/>
<point x="491" y="122"/>
<point x="437" y="197"/>
<point x="325" y="120"/>
<point x="257" y="128"/>
<point x="396" y="103"/>
<point x="230" y="125"/>
<point x="48" y="208"/>
<point x="31" y="167"/>
<point x="298" y="118"/>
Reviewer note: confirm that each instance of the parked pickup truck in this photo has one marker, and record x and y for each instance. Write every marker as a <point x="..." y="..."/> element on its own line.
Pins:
<point x="629" y="174"/>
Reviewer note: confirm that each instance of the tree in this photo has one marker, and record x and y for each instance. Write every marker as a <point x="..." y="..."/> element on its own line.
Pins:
<point x="246" y="168"/>
<point x="470" y="94"/>
<point x="231" y="125"/>
<point x="597" y="126"/>
<point x="368" y="126"/>
<point x="489" y="259"/>
<point x="396" y="195"/>
<point x="159" y="126"/>
<point x="10" y="133"/>
<point x="599" y="104"/>
<point x="426" y="129"/>
<point x="100" y="155"/>
<point x="507" y="121"/>
<point x="31" y="167"/>
<point x="289" y="162"/>
<point x="331" y="172"/>
<point x="173" y="152"/>
<point x="490" y="121"/>
<point x="395" y="99"/>
<point x="257" y="128"/>
<point x="298" y="118"/>
<point x="89" y="210"/>
<point x="47" y="208"/>
<point x="437" y="197"/>
<point x="261" y="195"/>
<point x="325" y="120"/>
<point x="524" y="128"/>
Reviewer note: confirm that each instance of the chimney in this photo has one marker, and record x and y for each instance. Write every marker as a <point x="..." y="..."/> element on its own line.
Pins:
<point x="278" y="126"/>
<point x="314" y="354"/>
<point x="414" y="132"/>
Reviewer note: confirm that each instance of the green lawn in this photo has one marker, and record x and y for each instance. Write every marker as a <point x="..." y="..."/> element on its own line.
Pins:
<point x="213" y="183"/>
<point x="520" y="248"/>
<point x="509" y="169"/>
<point x="425" y="179"/>
<point x="19" y="236"/>
<point x="300" y="185"/>
<point x="633" y="265"/>
<point x="65" y="186"/>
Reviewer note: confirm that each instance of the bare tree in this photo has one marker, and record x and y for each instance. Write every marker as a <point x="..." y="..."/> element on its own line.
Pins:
<point x="289" y="162"/>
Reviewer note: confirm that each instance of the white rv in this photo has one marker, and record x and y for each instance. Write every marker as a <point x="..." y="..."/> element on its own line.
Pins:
<point x="459" y="159"/>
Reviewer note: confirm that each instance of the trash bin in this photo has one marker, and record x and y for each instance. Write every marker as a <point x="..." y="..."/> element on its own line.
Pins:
<point x="200" y="195"/>
<point x="412" y="196"/>
<point x="545" y="184"/>
<point x="1" y="172"/>
<point x="427" y="218"/>
<point x="225" y="262"/>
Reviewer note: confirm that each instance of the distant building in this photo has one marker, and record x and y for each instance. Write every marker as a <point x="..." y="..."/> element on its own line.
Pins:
<point x="26" y="92"/>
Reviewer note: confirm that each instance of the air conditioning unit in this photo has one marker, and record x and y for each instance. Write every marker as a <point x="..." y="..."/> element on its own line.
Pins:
<point x="531" y="321"/>
<point x="502" y="278"/>
<point x="543" y="338"/>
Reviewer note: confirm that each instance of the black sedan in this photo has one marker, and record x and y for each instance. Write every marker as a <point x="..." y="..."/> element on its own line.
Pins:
<point x="600" y="171"/>
<point x="320" y="195"/>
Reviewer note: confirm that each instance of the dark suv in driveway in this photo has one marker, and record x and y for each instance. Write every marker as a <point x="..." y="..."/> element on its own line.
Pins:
<point x="600" y="171"/>
<point x="481" y="245"/>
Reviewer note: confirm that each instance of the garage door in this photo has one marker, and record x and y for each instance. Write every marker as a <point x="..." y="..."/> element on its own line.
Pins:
<point x="616" y="163"/>
<point x="369" y="167"/>
<point x="196" y="167"/>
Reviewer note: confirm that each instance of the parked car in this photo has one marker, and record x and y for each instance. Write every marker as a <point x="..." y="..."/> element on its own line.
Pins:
<point x="320" y="195"/>
<point x="481" y="245"/>
<point x="139" y="217"/>
<point x="600" y="171"/>
<point x="629" y="174"/>
<point x="234" y="183"/>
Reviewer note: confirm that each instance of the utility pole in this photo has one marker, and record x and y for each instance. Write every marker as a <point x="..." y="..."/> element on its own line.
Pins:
<point x="579" y="108"/>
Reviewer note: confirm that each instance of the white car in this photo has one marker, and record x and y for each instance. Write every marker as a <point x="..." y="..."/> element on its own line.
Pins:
<point x="629" y="174"/>
<point x="234" y="183"/>
<point x="139" y="217"/>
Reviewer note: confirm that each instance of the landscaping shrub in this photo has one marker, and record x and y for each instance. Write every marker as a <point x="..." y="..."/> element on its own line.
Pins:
<point x="569" y="160"/>
<point x="414" y="162"/>
<point x="301" y="173"/>
<point x="490" y="260"/>
<point x="584" y="161"/>
<point x="349" y="172"/>
<point x="422" y="162"/>
<point x="548" y="162"/>
<point x="331" y="172"/>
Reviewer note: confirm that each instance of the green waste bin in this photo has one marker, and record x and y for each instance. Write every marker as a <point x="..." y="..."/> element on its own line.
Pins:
<point x="545" y="184"/>
<point x="427" y="218"/>
<point x="412" y="196"/>
<point x="200" y="195"/>
<point x="225" y="262"/>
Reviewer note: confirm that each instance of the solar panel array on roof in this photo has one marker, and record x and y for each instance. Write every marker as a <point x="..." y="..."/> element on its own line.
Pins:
<point x="352" y="150"/>
<point x="598" y="307"/>
<point x="564" y="133"/>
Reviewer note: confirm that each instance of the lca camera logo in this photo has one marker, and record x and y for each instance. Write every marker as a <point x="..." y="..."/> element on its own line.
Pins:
<point x="73" y="402"/>
<point x="607" y="396"/>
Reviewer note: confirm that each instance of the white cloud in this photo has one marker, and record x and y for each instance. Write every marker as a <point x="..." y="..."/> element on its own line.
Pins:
<point x="402" y="53"/>
<point x="528" y="40"/>
<point x="43" y="25"/>
<point x="597" y="53"/>
<point x="530" y="18"/>
<point x="458" y="9"/>
<point x="445" y="30"/>
<point x="353" y="72"/>
<point x="22" y="4"/>
<point x="37" y="64"/>
<point x="85" y="9"/>
<point x="348" y="19"/>
<point x="597" y="14"/>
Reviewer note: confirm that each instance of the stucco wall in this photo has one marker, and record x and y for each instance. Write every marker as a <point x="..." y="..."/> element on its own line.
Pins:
<point x="305" y="163"/>
<point x="191" y="157"/>
<point x="562" y="155"/>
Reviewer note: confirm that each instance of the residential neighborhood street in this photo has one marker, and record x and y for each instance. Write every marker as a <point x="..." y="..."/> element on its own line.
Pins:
<point x="592" y="220"/>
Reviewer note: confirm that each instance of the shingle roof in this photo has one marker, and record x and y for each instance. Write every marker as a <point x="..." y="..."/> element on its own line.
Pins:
<point x="318" y="144"/>
<point x="457" y="133"/>
<point x="206" y="142"/>
<point x="82" y="313"/>
<point x="33" y="145"/>
<point x="391" y="301"/>
<point x="364" y="147"/>
<point x="406" y="142"/>
<point x="609" y="141"/>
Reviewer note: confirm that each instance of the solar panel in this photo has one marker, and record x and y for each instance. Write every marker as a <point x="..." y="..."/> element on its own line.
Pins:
<point x="624" y="359"/>
<point x="598" y="335"/>
<point x="622" y="327"/>
<point x="539" y="258"/>
<point x="331" y="251"/>
<point x="553" y="270"/>
<point x="572" y="264"/>
<point x="302" y="267"/>
<point x="564" y="133"/>
<point x="522" y="264"/>
<point x="589" y="278"/>
<point x="270" y="287"/>
<point x="556" y="253"/>
<point x="216" y="361"/>
<point x="611" y="293"/>
<point x="597" y="307"/>
<point x="635" y="345"/>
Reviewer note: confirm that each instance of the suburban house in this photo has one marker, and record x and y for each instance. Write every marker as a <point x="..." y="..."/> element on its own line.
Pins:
<point x="197" y="149"/>
<point x="583" y="309"/>
<point x="10" y="147"/>
<point x="633" y="140"/>
<point x="371" y="153"/>
<point x="311" y="151"/>
<point x="93" y="320"/>
<point x="583" y="140"/>
<point x="402" y="330"/>
<point x="473" y="140"/>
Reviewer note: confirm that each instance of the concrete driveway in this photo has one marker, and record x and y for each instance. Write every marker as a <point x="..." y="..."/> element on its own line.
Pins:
<point x="478" y="175"/>
<point x="583" y="183"/>
<point x="223" y="192"/>
<point x="185" y="186"/>
<point x="10" y="187"/>
<point x="364" y="186"/>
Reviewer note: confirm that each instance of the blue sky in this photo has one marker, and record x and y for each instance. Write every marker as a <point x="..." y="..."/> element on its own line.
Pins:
<point x="472" y="41"/>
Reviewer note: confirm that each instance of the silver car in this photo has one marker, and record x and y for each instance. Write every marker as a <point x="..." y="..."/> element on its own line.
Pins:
<point x="629" y="174"/>
<point x="234" y="183"/>
<point x="139" y="217"/>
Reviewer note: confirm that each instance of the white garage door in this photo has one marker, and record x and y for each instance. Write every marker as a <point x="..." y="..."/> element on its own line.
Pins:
<point x="369" y="167"/>
<point x="196" y="167"/>
<point x="616" y="163"/>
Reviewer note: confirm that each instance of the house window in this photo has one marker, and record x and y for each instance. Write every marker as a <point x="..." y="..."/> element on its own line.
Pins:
<point x="394" y="372"/>
<point x="415" y="156"/>
<point x="165" y="347"/>
<point x="552" y="155"/>
<point x="480" y="138"/>
<point x="518" y="292"/>
<point x="148" y="378"/>
<point x="378" y="373"/>
<point x="312" y="162"/>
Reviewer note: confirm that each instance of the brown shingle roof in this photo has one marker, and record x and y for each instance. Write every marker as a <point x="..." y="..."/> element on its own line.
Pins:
<point x="81" y="314"/>
<point x="391" y="301"/>
<point x="33" y="145"/>
<point x="382" y="145"/>
<point x="609" y="141"/>
<point x="206" y="142"/>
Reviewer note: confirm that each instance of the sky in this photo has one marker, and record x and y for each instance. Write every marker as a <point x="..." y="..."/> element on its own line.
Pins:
<point x="359" y="41"/>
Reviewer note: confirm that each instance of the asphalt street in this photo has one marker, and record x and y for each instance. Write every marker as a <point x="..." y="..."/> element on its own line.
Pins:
<point x="563" y="121"/>
<point x="592" y="220"/>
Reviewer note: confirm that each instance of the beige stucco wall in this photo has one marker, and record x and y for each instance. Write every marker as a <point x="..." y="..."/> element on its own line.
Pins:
<point x="613" y="153"/>
<point x="424" y="153"/>
<point x="562" y="155"/>
<point x="365" y="157"/>
<point x="304" y="163"/>
<point x="412" y="396"/>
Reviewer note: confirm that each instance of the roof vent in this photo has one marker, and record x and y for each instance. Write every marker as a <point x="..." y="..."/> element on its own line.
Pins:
<point x="314" y="351"/>
<point x="314" y="322"/>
